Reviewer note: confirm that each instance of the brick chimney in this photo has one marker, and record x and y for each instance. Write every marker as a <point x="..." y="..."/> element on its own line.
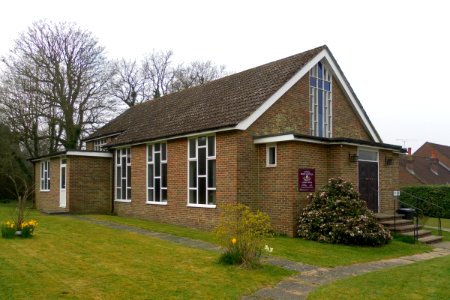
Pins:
<point x="409" y="161"/>
<point x="434" y="162"/>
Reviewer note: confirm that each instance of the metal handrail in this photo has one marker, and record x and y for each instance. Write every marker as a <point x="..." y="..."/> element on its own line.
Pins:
<point x="433" y="204"/>
<point x="416" y="218"/>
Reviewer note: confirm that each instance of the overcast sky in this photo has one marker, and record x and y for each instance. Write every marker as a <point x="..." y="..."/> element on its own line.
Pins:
<point x="395" y="54"/>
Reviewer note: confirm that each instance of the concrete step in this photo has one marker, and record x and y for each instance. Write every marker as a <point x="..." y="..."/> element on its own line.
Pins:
<point x="431" y="239"/>
<point x="387" y="217"/>
<point x="421" y="233"/>
<point x="404" y="228"/>
<point x="398" y="222"/>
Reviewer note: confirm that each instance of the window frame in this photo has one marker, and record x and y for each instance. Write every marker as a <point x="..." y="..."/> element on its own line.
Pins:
<point x="99" y="143"/>
<point x="268" y="147"/>
<point x="206" y="176"/>
<point x="128" y="179"/>
<point x="45" y="180"/>
<point x="321" y="101"/>
<point x="152" y="163"/>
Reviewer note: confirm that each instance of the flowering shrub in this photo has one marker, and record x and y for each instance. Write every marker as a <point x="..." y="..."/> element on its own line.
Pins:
<point x="28" y="228"/>
<point x="8" y="230"/>
<point x="243" y="234"/>
<point x="335" y="214"/>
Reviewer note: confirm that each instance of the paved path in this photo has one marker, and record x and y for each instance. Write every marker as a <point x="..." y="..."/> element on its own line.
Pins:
<point x="437" y="228"/>
<point x="300" y="285"/>
<point x="163" y="236"/>
<point x="297" y="286"/>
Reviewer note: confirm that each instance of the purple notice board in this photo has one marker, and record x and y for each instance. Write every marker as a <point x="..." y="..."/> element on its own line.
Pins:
<point x="306" y="180"/>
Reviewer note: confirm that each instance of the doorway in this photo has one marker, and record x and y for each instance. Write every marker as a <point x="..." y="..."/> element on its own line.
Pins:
<point x="368" y="178"/>
<point x="62" y="183"/>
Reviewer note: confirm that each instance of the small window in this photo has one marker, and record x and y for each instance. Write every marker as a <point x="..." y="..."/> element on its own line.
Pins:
<point x="98" y="145"/>
<point x="45" y="175"/>
<point x="271" y="156"/>
<point x="367" y="155"/>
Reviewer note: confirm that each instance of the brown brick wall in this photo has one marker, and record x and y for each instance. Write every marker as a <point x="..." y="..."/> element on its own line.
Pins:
<point x="176" y="211"/>
<point x="89" y="184"/>
<point x="291" y="114"/>
<point x="48" y="201"/>
<point x="346" y="122"/>
<point x="388" y="180"/>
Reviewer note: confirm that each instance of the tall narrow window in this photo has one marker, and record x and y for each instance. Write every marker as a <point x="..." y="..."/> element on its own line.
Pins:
<point x="123" y="174"/>
<point x="202" y="171"/>
<point x="320" y="103"/>
<point x="271" y="155"/>
<point x="45" y="175"/>
<point x="157" y="173"/>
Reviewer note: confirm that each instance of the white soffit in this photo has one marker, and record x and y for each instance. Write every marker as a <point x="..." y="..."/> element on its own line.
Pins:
<point x="324" y="54"/>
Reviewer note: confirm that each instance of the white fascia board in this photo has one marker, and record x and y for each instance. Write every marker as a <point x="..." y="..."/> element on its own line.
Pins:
<point x="292" y="138"/>
<point x="89" y="153"/>
<point x="274" y="139"/>
<point x="444" y="166"/>
<point x="245" y="124"/>
<point x="351" y="96"/>
<point x="189" y="135"/>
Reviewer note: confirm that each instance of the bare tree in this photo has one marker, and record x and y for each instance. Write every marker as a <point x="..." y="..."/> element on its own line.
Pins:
<point x="196" y="73"/>
<point x="158" y="72"/>
<point x="65" y="71"/>
<point x="128" y="83"/>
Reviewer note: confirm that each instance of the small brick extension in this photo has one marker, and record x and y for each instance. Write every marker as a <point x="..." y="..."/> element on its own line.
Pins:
<point x="299" y="285"/>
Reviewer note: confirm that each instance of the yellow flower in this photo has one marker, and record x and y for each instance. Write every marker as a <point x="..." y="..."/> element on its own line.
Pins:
<point x="234" y="241"/>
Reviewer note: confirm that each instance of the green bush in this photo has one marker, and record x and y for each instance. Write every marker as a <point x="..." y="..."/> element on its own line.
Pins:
<point x="335" y="214"/>
<point x="243" y="234"/>
<point x="432" y="194"/>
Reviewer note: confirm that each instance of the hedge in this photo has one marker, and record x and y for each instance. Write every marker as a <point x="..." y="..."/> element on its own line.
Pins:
<point x="421" y="196"/>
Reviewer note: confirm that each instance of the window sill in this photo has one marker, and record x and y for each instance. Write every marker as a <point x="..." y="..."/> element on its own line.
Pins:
<point x="45" y="191"/>
<point x="124" y="201"/>
<point x="201" y="205"/>
<point x="271" y="166"/>
<point x="156" y="203"/>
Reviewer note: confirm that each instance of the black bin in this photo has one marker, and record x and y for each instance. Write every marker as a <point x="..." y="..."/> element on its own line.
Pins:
<point x="408" y="213"/>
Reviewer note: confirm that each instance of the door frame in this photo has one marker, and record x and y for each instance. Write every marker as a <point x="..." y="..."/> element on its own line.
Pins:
<point x="63" y="191"/>
<point x="378" y="170"/>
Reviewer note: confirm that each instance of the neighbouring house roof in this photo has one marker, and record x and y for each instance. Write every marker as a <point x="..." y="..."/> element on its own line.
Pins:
<point x="232" y="102"/>
<point x="442" y="149"/>
<point x="425" y="170"/>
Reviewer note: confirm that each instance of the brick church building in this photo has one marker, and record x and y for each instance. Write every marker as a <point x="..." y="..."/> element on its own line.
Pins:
<point x="265" y="137"/>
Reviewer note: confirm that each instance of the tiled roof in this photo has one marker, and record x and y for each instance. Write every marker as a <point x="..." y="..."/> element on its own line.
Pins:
<point x="421" y="168"/>
<point x="217" y="104"/>
<point x="442" y="149"/>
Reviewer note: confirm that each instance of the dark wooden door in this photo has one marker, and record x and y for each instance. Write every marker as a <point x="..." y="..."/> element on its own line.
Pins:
<point x="368" y="183"/>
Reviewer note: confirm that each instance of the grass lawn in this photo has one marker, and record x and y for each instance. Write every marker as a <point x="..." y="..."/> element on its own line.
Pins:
<point x="309" y="252"/>
<point x="73" y="259"/>
<point x="422" y="280"/>
<point x="434" y="222"/>
<point x="445" y="223"/>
